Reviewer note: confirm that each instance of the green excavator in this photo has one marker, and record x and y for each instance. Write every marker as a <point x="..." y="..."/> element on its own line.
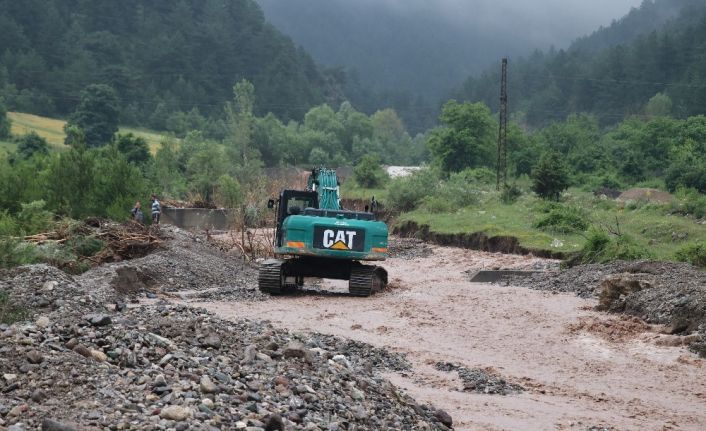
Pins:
<point x="315" y="237"/>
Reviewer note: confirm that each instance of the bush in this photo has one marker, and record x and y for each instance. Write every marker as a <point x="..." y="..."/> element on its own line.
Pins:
<point x="510" y="194"/>
<point x="15" y="253"/>
<point x="550" y="176"/>
<point x="85" y="246"/>
<point x="689" y="202"/>
<point x="694" y="254"/>
<point x="451" y="195"/>
<point x="603" y="248"/>
<point x="33" y="218"/>
<point x="8" y="225"/>
<point x="479" y="175"/>
<point x="563" y="219"/>
<point x="30" y="144"/>
<point x="368" y="173"/>
<point x="407" y="193"/>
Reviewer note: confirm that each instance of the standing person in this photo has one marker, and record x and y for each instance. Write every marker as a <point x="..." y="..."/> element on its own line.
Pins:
<point x="156" y="210"/>
<point x="137" y="213"/>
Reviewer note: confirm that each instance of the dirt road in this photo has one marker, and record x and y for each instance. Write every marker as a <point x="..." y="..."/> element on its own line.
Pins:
<point x="581" y="368"/>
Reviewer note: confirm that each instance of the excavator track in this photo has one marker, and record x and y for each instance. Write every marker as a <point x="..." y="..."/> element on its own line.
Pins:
<point x="367" y="279"/>
<point x="269" y="278"/>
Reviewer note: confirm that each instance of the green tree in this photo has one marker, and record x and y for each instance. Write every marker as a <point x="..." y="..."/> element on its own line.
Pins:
<point x="30" y="144"/>
<point x="117" y="185"/>
<point x="228" y="193"/>
<point x="241" y="121"/>
<point x="168" y="172"/>
<point x="660" y="105"/>
<point x="134" y="148"/>
<point x="75" y="137"/>
<point x="97" y="114"/>
<point x="368" y="173"/>
<point x="550" y="177"/>
<point x="467" y="140"/>
<point x="5" y="124"/>
<point x="204" y="168"/>
<point x="69" y="180"/>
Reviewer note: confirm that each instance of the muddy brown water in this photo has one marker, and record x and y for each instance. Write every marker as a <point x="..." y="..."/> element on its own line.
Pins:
<point x="576" y="376"/>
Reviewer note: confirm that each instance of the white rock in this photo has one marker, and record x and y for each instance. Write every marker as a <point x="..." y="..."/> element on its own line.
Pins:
<point x="98" y="355"/>
<point x="9" y="378"/>
<point x="175" y="413"/>
<point x="48" y="286"/>
<point x="207" y="386"/>
<point x="43" y="322"/>
<point x="342" y="360"/>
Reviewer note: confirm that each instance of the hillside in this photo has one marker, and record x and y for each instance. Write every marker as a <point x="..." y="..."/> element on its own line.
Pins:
<point x="611" y="82"/>
<point x="52" y="130"/>
<point x="160" y="56"/>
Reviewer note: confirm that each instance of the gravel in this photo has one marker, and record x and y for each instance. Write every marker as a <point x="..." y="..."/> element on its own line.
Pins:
<point x="84" y="359"/>
<point x="408" y="248"/>
<point x="154" y="367"/>
<point x="480" y="381"/>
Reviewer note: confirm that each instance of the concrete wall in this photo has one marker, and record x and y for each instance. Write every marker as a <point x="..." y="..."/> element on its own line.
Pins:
<point x="196" y="218"/>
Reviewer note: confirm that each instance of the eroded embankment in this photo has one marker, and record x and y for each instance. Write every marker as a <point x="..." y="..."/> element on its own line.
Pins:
<point x="473" y="241"/>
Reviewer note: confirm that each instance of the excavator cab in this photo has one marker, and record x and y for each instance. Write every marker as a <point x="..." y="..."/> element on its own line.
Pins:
<point x="293" y="202"/>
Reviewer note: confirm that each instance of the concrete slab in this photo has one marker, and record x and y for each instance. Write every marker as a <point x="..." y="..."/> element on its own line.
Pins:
<point x="495" y="276"/>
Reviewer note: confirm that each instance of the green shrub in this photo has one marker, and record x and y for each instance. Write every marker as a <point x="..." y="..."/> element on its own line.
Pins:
<point x="689" y="202"/>
<point x="8" y="225"/>
<point x="603" y="248"/>
<point x="478" y="175"/>
<point x="368" y="173"/>
<point x="407" y="193"/>
<point x="33" y="218"/>
<point x="85" y="246"/>
<point x="694" y="254"/>
<point x="563" y="219"/>
<point x="15" y="253"/>
<point x="550" y="176"/>
<point x="510" y="194"/>
<point x="450" y="197"/>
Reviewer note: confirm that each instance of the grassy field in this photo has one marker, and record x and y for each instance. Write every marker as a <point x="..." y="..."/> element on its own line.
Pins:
<point x="53" y="131"/>
<point x="349" y="190"/>
<point x="650" y="225"/>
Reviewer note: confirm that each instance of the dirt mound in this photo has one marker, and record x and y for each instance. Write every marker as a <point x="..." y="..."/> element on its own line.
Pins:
<point x="174" y="367"/>
<point x="42" y="288"/>
<point x="646" y="195"/>
<point x="185" y="263"/>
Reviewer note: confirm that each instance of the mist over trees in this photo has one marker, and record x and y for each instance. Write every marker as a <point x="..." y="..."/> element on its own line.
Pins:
<point x="169" y="62"/>
<point x="614" y="73"/>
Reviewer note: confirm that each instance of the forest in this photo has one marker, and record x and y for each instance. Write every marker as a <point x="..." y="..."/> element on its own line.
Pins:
<point x="163" y="59"/>
<point x="618" y="109"/>
<point x="611" y="73"/>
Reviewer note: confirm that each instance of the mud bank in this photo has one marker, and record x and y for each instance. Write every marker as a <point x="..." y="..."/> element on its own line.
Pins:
<point x="473" y="241"/>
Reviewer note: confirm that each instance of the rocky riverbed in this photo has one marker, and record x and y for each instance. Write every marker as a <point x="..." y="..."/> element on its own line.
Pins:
<point x="89" y="353"/>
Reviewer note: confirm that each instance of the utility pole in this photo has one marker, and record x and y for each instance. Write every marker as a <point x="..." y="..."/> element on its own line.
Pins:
<point x="502" y="135"/>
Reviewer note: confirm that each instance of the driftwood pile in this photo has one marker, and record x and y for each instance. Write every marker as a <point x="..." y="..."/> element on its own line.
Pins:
<point x="121" y="241"/>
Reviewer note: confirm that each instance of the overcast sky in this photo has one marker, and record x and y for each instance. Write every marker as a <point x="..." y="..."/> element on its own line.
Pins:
<point x="545" y="21"/>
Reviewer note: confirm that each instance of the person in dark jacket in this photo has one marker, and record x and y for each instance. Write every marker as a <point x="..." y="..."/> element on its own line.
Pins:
<point x="137" y="213"/>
